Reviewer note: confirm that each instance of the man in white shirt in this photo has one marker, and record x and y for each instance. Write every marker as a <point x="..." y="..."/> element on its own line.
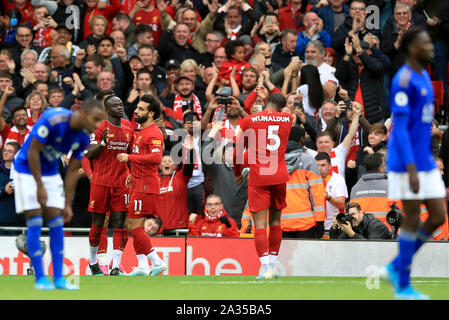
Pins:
<point x="335" y="187"/>
<point x="314" y="55"/>
<point x="325" y="143"/>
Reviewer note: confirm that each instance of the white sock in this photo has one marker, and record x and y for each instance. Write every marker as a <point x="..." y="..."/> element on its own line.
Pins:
<point x="273" y="260"/>
<point x="143" y="261"/>
<point x="93" y="255"/>
<point x="154" y="258"/>
<point x="102" y="259"/>
<point x="116" y="258"/>
<point x="265" y="262"/>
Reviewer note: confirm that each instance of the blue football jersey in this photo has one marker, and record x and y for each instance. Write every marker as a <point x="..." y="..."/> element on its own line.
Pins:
<point x="411" y="100"/>
<point x="54" y="132"/>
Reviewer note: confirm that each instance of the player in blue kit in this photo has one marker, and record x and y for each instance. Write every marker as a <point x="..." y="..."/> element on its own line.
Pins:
<point x="39" y="189"/>
<point x="412" y="173"/>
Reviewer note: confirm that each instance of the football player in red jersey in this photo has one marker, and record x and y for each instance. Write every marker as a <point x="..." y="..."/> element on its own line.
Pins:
<point x="108" y="192"/>
<point x="146" y="156"/>
<point x="265" y="135"/>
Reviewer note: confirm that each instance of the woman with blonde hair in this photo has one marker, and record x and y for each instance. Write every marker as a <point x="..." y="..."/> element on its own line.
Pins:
<point x="35" y="104"/>
<point x="190" y="68"/>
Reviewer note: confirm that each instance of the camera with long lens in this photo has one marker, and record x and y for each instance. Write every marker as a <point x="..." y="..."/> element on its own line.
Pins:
<point x="394" y="216"/>
<point x="342" y="218"/>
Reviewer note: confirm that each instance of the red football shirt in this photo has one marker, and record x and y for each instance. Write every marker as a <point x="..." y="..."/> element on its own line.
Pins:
<point x="172" y="203"/>
<point x="265" y="134"/>
<point x="146" y="155"/>
<point x="106" y="170"/>
<point x="151" y="18"/>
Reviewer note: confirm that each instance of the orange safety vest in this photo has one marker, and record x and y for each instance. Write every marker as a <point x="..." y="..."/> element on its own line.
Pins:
<point x="305" y="201"/>
<point x="247" y="227"/>
<point x="441" y="233"/>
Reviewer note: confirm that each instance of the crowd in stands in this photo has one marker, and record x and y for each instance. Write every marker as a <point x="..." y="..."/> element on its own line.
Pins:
<point x="211" y="63"/>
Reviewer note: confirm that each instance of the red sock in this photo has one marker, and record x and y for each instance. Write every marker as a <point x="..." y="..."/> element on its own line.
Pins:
<point x="119" y="239"/>
<point x="261" y="241"/>
<point x="103" y="247"/>
<point x="142" y="242"/>
<point x="274" y="240"/>
<point x="94" y="236"/>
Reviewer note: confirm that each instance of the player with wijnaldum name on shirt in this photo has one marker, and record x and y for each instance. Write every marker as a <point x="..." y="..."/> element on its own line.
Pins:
<point x="108" y="192"/>
<point x="265" y="136"/>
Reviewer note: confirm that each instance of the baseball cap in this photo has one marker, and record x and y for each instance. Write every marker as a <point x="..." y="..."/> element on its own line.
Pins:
<point x="172" y="63"/>
<point x="183" y="76"/>
<point x="135" y="56"/>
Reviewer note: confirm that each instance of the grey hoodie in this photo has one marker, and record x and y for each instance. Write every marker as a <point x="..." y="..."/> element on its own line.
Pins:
<point x="296" y="158"/>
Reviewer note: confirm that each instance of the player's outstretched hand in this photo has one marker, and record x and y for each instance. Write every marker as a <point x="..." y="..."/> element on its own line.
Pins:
<point x="122" y="157"/>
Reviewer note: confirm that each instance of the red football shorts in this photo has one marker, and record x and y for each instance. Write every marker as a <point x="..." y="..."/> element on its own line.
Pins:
<point x="103" y="199"/>
<point x="142" y="204"/>
<point x="264" y="197"/>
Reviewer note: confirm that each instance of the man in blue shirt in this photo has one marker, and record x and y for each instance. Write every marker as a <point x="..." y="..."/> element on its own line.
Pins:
<point x="412" y="173"/>
<point x="39" y="189"/>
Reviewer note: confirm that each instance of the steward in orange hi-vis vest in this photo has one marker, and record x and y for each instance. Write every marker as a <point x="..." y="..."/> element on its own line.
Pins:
<point x="305" y="209"/>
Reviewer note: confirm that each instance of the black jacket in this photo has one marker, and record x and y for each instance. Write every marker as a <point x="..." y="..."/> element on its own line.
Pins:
<point x="281" y="57"/>
<point x="169" y="49"/>
<point x="371" y="83"/>
<point x="370" y="228"/>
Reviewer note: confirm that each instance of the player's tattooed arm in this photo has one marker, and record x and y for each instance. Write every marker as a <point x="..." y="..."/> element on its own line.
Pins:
<point x="94" y="150"/>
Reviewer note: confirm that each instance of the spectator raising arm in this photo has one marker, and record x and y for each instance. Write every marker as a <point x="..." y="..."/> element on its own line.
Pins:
<point x="347" y="142"/>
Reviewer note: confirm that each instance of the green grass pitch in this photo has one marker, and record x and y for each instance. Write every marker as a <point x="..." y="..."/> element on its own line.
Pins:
<point x="217" y="288"/>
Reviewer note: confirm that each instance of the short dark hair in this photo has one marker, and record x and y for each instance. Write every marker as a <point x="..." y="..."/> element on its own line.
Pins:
<point x="38" y="82"/>
<point x="19" y="108"/>
<point x="106" y="101"/>
<point x="157" y="219"/>
<point x="154" y="105"/>
<point x="323" y="134"/>
<point x="145" y="46"/>
<point x="96" y="59"/>
<point x="286" y="32"/>
<point x="5" y="74"/>
<point x="373" y="162"/>
<point x="15" y="144"/>
<point x="409" y="37"/>
<point x="123" y="16"/>
<point x="278" y="99"/>
<point x="250" y="69"/>
<point x="25" y="25"/>
<point x="143" y="28"/>
<point x="232" y="46"/>
<point x="107" y="38"/>
<point x="214" y="195"/>
<point x="323" y="156"/>
<point x="143" y="70"/>
<point x="353" y="205"/>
